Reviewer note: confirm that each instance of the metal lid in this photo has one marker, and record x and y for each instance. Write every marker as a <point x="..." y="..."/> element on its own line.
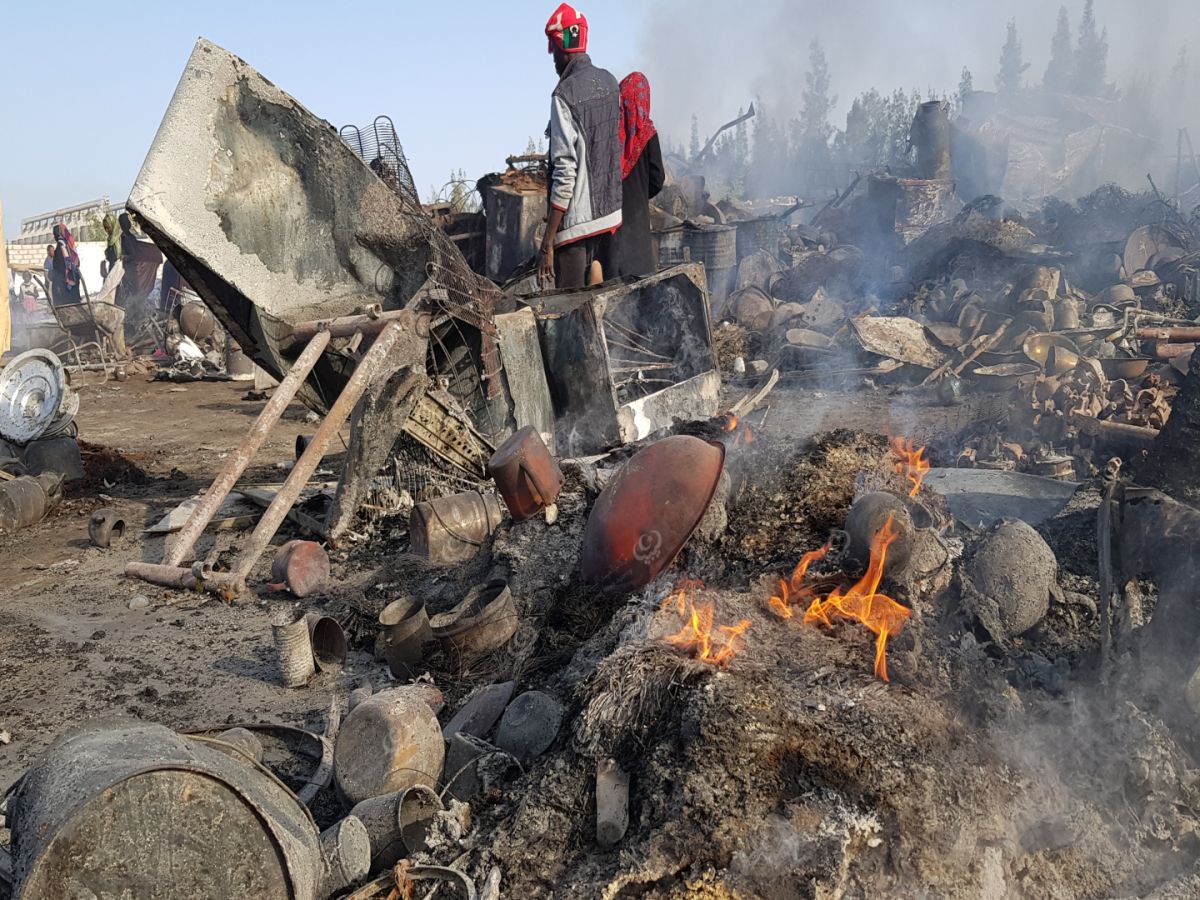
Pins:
<point x="32" y="388"/>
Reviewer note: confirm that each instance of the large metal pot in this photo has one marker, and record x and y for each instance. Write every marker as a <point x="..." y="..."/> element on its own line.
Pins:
<point x="645" y="515"/>
<point x="134" y="810"/>
<point x="388" y="743"/>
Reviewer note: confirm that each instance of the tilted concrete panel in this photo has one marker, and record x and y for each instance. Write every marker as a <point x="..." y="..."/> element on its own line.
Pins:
<point x="271" y="217"/>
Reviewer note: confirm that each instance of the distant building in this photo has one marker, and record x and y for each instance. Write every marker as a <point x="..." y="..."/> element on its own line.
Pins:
<point x="39" y="229"/>
<point x="28" y="249"/>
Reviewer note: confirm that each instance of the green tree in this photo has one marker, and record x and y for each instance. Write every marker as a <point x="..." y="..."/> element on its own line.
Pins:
<point x="769" y="174"/>
<point x="92" y="229"/>
<point x="461" y="193"/>
<point x="694" y="142"/>
<point x="877" y="129"/>
<point x="1012" y="68"/>
<point x="816" y="102"/>
<point x="1179" y="80"/>
<point x="1091" y="56"/>
<point x="1061" y="68"/>
<point x="812" y="130"/>
<point x="966" y="85"/>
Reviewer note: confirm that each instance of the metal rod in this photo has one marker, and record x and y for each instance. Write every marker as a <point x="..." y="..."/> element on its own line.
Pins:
<point x="1178" y="165"/>
<point x="632" y="365"/>
<point x="1179" y="335"/>
<point x="633" y="336"/>
<point x="1117" y="432"/>
<point x="241" y="458"/>
<point x="615" y="343"/>
<point x="345" y="326"/>
<point x="363" y="375"/>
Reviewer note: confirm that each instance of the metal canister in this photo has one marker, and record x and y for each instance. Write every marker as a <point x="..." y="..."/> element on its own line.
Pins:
<point x="293" y="646"/>
<point x="196" y="320"/>
<point x="452" y="529"/>
<point x="404" y="631"/>
<point x="24" y="501"/>
<point x="238" y="365"/>
<point x="526" y="474"/>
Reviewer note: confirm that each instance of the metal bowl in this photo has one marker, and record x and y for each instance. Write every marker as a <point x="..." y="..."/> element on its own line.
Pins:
<point x="1061" y="360"/>
<point x="1037" y="346"/>
<point x="1125" y="366"/>
<point x="646" y="514"/>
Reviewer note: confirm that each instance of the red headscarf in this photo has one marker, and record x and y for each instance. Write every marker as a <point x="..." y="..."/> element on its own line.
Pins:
<point x="636" y="128"/>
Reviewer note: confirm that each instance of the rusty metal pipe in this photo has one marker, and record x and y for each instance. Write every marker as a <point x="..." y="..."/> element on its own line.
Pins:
<point x="181" y="577"/>
<point x="1181" y="335"/>
<point x="345" y="326"/>
<point x="1116" y="432"/>
<point x="1171" y="351"/>
<point x="364" y="373"/>
<point x="253" y="442"/>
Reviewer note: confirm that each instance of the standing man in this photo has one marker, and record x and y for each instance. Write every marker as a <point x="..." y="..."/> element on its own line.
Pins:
<point x="585" y="159"/>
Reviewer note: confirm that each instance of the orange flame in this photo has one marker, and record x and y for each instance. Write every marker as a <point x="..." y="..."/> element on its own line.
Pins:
<point x="743" y="433"/>
<point x="910" y="462"/>
<point x="697" y="636"/>
<point x="793" y="588"/>
<point x="879" y="613"/>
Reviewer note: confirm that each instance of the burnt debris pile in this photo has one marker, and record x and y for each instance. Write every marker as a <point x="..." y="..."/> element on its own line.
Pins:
<point x="848" y="555"/>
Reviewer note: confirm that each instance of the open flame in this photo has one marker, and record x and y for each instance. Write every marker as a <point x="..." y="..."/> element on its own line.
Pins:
<point x="794" y="589"/>
<point x="910" y="462"/>
<point x="861" y="602"/>
<point x="716" y="645"/>
<point x="740" y="430"/>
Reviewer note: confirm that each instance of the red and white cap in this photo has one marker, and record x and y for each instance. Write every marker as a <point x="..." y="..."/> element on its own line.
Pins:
<point x="567" y="30"/>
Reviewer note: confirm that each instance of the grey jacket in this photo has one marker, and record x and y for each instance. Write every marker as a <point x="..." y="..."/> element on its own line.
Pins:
<point x="585" y="151"/>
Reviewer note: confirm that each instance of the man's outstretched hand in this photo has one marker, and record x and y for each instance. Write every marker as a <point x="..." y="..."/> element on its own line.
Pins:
<point x="546" y="263"/>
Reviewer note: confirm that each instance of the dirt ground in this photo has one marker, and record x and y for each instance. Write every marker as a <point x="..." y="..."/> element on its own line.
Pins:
<point x="70" y="647"/>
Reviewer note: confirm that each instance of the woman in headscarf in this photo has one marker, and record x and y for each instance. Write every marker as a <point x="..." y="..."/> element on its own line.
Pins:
<point x="112" y="239"/>
<point x="128" y="240"/>
<point x="642" y="177"/>
<point x="141" y="260"/>
<point x="66" y="267"/>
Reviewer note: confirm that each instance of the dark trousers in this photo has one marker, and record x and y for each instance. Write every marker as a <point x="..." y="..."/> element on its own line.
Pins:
<point x="572" y="262"/>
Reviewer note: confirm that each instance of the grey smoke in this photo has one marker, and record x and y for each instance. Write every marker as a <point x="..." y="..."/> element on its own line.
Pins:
<point x="710" y="57"/>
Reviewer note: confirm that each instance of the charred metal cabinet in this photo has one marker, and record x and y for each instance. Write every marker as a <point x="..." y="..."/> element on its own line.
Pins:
<point x="624" y="361"/>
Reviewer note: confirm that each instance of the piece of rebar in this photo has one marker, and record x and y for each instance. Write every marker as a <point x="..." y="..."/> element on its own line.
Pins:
<point x="345" y="326"/>
<point x="246" y="451"/>
<point x="364" y="373"/>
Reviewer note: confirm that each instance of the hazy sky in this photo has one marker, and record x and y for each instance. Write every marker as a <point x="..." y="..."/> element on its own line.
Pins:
<point x="468" y="83"/>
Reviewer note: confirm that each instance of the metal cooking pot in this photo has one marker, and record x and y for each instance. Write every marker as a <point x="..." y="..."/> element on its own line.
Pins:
<point x="526" y="474"/>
